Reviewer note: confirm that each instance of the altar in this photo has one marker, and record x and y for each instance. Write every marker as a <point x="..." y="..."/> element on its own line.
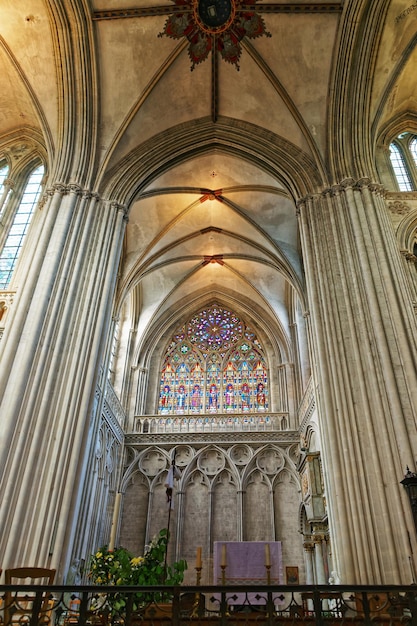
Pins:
<point x="245" y="563"/>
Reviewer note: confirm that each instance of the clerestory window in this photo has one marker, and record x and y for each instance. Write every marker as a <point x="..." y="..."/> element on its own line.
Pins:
<point x="18" y="230"/>
<point x="4" y="170"/>
<point x="403" y="157"/>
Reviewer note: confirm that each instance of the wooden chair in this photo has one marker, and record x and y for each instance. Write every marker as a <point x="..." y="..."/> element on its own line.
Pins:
<point x="19" y="606"/>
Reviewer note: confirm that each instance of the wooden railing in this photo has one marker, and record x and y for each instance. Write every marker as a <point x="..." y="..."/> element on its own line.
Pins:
<point x="203" y="605"/>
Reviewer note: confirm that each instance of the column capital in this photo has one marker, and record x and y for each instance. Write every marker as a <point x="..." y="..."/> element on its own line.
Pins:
<point x="318" y="539"/>
<point x="120" y="208"/>
<point x="409" y="255"/>
<point x="9" y="182"/>
<point x="338" y="188"/>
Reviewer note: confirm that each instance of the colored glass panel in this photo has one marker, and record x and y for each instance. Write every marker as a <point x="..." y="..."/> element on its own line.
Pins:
<point x="213" y="364"/>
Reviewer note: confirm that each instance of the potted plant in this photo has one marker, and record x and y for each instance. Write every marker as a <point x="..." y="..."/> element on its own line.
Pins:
<point x="119" y="567"/>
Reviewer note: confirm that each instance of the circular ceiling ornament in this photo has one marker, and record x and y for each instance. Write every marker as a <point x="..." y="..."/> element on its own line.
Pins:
<point x="214" y="16"/>
<point x="214" y="26"/>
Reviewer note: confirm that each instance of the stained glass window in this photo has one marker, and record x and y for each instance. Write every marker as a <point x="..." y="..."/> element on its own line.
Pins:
<point x="214" y="364"/>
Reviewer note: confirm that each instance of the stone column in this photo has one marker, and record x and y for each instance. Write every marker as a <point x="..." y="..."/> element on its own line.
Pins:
<point x="52" y="352"/>
<point x="318" y="560"/>
<point x="8" y="185"/>
<point x="364" y="339"/>
<point x="308" y="556"/>
<point x="142" y="388"/>
<point x="411" y="267"/>
<point x="309" y="563"/>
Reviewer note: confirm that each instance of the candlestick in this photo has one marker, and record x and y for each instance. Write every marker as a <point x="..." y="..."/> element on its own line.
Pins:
<point x="268" y="563"/>
<point x="198" y="562"/>
<point x="267" y="555"/>
<point x="223" y="562"/>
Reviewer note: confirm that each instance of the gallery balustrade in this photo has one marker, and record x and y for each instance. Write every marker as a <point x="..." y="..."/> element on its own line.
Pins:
<point x="237" y="605"/>
<point x="211" y="423"/>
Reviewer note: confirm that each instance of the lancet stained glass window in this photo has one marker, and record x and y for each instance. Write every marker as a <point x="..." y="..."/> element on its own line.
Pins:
<point x="214" y="364"/>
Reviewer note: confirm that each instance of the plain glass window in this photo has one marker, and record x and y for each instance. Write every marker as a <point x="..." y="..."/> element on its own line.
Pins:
<point x="4" y="170"/>
<point x="400" y="170"/>
<point x="18" y="231"/>
<point x="413" y="150"/>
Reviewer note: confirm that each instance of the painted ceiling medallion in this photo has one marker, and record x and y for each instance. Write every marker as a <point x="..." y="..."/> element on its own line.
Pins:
<point x="214" y="25"/>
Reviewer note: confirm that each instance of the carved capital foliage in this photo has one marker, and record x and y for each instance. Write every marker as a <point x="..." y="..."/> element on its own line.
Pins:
<point x="88" y="195"/>
<point x="399" y="208"/>
<point x="302" y="202"/>
<point x="19" y="150"/>
<point x="60" y="188"/>
<point x="350" y="183"/>
<point x="319" y="538"/>
<point x="120" y="208"/>
<point x="42" y="201"/>
<point x="8" y="182"/>
<point x="409" y="256"/>
<point x="74" y="188"/>
<point x="6" y="298"/>
<point x="343" y="186"/>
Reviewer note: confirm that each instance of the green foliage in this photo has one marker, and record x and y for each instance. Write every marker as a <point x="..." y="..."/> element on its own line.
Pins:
<point x="120" y="567"/>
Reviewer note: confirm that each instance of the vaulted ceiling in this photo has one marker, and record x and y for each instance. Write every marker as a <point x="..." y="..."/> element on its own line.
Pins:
<point x="210" y="155"/>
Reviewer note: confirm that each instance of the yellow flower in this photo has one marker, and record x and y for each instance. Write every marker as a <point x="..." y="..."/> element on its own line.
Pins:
<point x="137" y="560"/>
<point x="99" y="555"/>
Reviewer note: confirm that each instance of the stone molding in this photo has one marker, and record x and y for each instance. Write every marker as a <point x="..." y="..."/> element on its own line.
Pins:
<point x="86" y="194"/>
<point x="401" y="195"/>
<point x="343" y="186"/>
<point x="114" y="406"/>
<point x="6" y="298"/>
<point x="141" y="440"/>
<point x="307" y="406"/>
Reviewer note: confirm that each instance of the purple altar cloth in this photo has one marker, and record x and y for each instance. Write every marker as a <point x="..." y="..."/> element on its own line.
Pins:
<point x="245" y="565"/>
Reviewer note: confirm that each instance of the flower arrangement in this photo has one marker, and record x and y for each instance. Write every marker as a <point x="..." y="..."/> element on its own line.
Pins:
<point x="120" y="567"/>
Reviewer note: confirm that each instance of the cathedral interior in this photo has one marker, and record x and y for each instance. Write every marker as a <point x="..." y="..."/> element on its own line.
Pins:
<point x="208" y="239"/>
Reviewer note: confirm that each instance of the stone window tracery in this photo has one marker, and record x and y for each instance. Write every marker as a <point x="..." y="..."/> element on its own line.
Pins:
<point x="214" y="364"/>
<point x="4" y="189"/>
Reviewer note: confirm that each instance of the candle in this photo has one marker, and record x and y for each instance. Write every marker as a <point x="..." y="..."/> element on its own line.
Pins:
<point x="267" y="555"/>
<point x="223" y="561"/>
<point x="198" y="558"/>
<point x="115" y="521"/>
